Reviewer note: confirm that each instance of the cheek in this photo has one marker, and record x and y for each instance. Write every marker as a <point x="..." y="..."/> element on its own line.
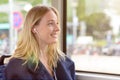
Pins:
<point x="51" y="29"/>
<point x="47" y="33"/>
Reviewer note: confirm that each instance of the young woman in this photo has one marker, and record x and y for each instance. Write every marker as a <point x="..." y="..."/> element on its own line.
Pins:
<point x="37" y="56"/>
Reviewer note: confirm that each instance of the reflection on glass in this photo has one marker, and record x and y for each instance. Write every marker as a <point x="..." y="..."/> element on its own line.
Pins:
<point x="93" y="35"/>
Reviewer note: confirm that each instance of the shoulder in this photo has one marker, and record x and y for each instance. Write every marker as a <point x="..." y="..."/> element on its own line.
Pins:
<point x="15" y="69"/>
<point x="14" y="65"/>
<point x="15" y="62"/>
<point x="66" y="68"/>
<point x="67" y="61"/>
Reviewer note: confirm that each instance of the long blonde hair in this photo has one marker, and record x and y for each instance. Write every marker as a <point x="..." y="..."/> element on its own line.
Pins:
<point x="27" y="47"/>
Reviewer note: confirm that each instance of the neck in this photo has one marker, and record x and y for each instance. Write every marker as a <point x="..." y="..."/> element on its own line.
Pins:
<point x="43" y="47"/>
<point x="44" y="60"/>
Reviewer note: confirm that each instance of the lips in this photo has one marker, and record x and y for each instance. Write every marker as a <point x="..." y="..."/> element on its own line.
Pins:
<point x="54" y="35"/>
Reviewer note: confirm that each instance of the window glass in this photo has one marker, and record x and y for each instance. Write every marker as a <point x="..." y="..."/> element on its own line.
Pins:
<point x="93" y="35"/>
<point x="12" y="13"/>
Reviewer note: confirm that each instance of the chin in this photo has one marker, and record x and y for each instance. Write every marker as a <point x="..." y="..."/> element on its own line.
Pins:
<point x="53" y="42"/>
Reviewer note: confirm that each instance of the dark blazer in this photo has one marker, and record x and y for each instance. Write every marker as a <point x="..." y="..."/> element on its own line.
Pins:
<point x="15" y="70"/>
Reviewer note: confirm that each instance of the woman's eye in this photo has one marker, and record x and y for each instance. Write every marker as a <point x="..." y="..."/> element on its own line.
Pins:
<point x="50" y="23"/>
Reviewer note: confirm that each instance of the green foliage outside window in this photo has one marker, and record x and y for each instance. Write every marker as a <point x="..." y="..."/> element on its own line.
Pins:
<point x="3" y="1"/>
<point x="4" y="18"/>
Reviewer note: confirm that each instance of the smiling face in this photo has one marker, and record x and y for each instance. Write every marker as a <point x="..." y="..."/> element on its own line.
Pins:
<point x="48" y="28"/>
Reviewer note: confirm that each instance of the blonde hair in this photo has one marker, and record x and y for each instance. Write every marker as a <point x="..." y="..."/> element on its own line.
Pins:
<point x="28" y="48"/>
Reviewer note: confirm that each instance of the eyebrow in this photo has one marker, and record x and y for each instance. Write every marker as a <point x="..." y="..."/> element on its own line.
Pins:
<point x="50" y="20"/>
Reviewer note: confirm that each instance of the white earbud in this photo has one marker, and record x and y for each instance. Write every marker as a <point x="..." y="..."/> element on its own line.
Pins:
<point x="35" y="30"/>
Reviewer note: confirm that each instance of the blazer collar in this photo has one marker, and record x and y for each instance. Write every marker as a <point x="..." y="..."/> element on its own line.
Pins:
<point x="40" y="71"/>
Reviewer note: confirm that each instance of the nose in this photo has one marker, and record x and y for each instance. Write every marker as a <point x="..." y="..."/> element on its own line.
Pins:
<point x="57" y="28"/>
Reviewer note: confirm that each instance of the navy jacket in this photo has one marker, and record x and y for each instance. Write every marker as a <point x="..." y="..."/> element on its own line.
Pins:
<point x="15" y="70"/>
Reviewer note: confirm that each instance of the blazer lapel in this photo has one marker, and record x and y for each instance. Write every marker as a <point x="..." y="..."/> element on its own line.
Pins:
<point x="40" y="73"/>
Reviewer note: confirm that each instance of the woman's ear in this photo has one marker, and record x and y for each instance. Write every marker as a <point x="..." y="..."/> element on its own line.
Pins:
<point x="33" y="30"/>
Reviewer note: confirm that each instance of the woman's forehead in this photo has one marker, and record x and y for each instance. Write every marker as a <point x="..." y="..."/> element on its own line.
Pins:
<point x="50" y="16"/>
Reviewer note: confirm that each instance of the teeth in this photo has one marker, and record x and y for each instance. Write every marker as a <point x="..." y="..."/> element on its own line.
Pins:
<point x="54" y="35"/>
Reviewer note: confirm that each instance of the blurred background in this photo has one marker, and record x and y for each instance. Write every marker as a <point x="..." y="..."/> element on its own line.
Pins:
<point x="93" y="35"/>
